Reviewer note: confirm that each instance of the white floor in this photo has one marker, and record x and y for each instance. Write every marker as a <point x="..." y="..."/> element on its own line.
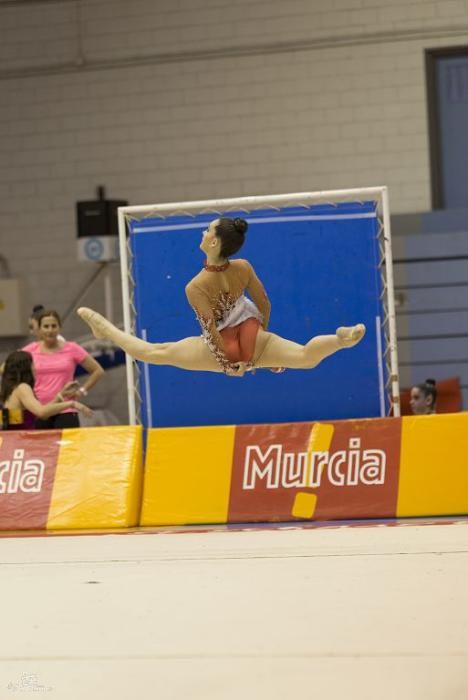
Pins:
<point x="360" y="613"/>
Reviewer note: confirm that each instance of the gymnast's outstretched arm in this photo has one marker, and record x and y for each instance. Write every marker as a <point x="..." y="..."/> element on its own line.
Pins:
<point x="258" y="294"/>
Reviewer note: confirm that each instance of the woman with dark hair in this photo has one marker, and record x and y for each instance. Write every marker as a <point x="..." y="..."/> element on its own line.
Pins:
<point x="20" y="407"/>
<point x="33" y="325"/>
<point x="235" y="336"/>
<point x="55" y="362"/>
<point x="423" y="397"/>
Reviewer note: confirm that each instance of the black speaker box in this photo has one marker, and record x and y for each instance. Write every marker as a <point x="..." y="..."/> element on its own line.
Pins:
<point x="98" y="217"/>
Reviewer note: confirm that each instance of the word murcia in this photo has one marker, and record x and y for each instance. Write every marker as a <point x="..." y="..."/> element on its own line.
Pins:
<point x="278" y="469"/>
<point x="19" y="474"/>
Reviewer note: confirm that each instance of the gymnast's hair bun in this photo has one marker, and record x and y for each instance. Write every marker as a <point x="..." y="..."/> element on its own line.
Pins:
<point x="430" y="382"/>
<point x="240" y="225"/>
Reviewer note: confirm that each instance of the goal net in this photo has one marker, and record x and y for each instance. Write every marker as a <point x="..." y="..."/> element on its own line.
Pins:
<point x="325" y="259"/>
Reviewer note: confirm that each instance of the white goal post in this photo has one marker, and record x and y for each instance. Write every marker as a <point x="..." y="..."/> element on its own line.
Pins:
<point x="247" y="204"/>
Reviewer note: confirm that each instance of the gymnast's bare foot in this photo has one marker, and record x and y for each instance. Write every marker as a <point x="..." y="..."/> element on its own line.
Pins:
<point x="98" y="324"/>
<point x="350" y="335"/>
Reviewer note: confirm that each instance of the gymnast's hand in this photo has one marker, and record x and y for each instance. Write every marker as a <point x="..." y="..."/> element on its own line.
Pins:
<point x="236" y="370"/>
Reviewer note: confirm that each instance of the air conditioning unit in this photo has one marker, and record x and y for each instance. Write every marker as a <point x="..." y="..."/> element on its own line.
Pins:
<point x="98" y="248"/>
<point x="97" y="228"/>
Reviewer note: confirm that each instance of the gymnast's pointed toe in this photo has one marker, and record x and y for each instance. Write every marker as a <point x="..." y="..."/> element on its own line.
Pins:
<point x="349" y="336"/>
<point x="95" y="321"/>
<point x="84" y="313"/>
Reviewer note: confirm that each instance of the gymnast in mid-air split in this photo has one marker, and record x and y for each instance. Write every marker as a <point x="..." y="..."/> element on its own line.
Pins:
<point x="235" y="337"/>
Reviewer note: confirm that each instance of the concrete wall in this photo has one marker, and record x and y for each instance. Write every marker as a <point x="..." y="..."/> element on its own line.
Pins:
<point x="190" y="99"/>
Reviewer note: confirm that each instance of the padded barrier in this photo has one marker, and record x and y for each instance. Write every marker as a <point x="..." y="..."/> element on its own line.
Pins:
<point x="366" y="468"/>
<point x="70" y="479"/>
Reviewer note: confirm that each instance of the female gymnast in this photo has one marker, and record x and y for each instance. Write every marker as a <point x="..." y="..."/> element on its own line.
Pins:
<point x="235" y="336"/>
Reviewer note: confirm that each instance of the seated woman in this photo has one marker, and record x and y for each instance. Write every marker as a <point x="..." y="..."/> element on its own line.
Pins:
<point x="235" y="336"/>
<point x="423" y="398"/>
<point x="17" y="395"/>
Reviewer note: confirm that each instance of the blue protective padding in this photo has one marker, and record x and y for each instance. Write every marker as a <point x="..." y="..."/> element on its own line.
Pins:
<point x="107" y="360"/>
<point x="319" y="267"/>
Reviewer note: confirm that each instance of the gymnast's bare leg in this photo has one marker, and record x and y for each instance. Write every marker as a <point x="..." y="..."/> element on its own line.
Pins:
<point x="274" y="351"/>
<point x="193" y="354"/>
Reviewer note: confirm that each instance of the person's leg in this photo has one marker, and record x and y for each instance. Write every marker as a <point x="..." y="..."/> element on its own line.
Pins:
<point x="273" y="351"/>
<point x="189" y="353"/>
<point x="193" y="354"/>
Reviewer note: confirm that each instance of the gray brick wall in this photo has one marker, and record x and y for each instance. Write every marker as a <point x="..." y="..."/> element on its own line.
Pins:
<point x="190" y="99"/>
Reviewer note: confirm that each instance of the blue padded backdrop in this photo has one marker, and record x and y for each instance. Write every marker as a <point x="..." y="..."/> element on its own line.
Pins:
<point x="319" y="267"/>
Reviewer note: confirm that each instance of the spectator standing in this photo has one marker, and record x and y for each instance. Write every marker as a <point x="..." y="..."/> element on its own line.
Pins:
<point x="55" y="362"/>
<point x="33" y="324"/>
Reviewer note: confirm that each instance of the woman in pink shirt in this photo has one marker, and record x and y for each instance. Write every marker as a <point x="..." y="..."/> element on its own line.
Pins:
<point x="55" y="362"/>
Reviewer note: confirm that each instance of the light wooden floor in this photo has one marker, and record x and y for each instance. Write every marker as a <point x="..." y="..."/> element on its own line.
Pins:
<point x="365" y="613"/>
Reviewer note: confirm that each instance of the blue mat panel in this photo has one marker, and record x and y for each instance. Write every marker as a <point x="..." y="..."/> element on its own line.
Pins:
<point x="319" y="267"/>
